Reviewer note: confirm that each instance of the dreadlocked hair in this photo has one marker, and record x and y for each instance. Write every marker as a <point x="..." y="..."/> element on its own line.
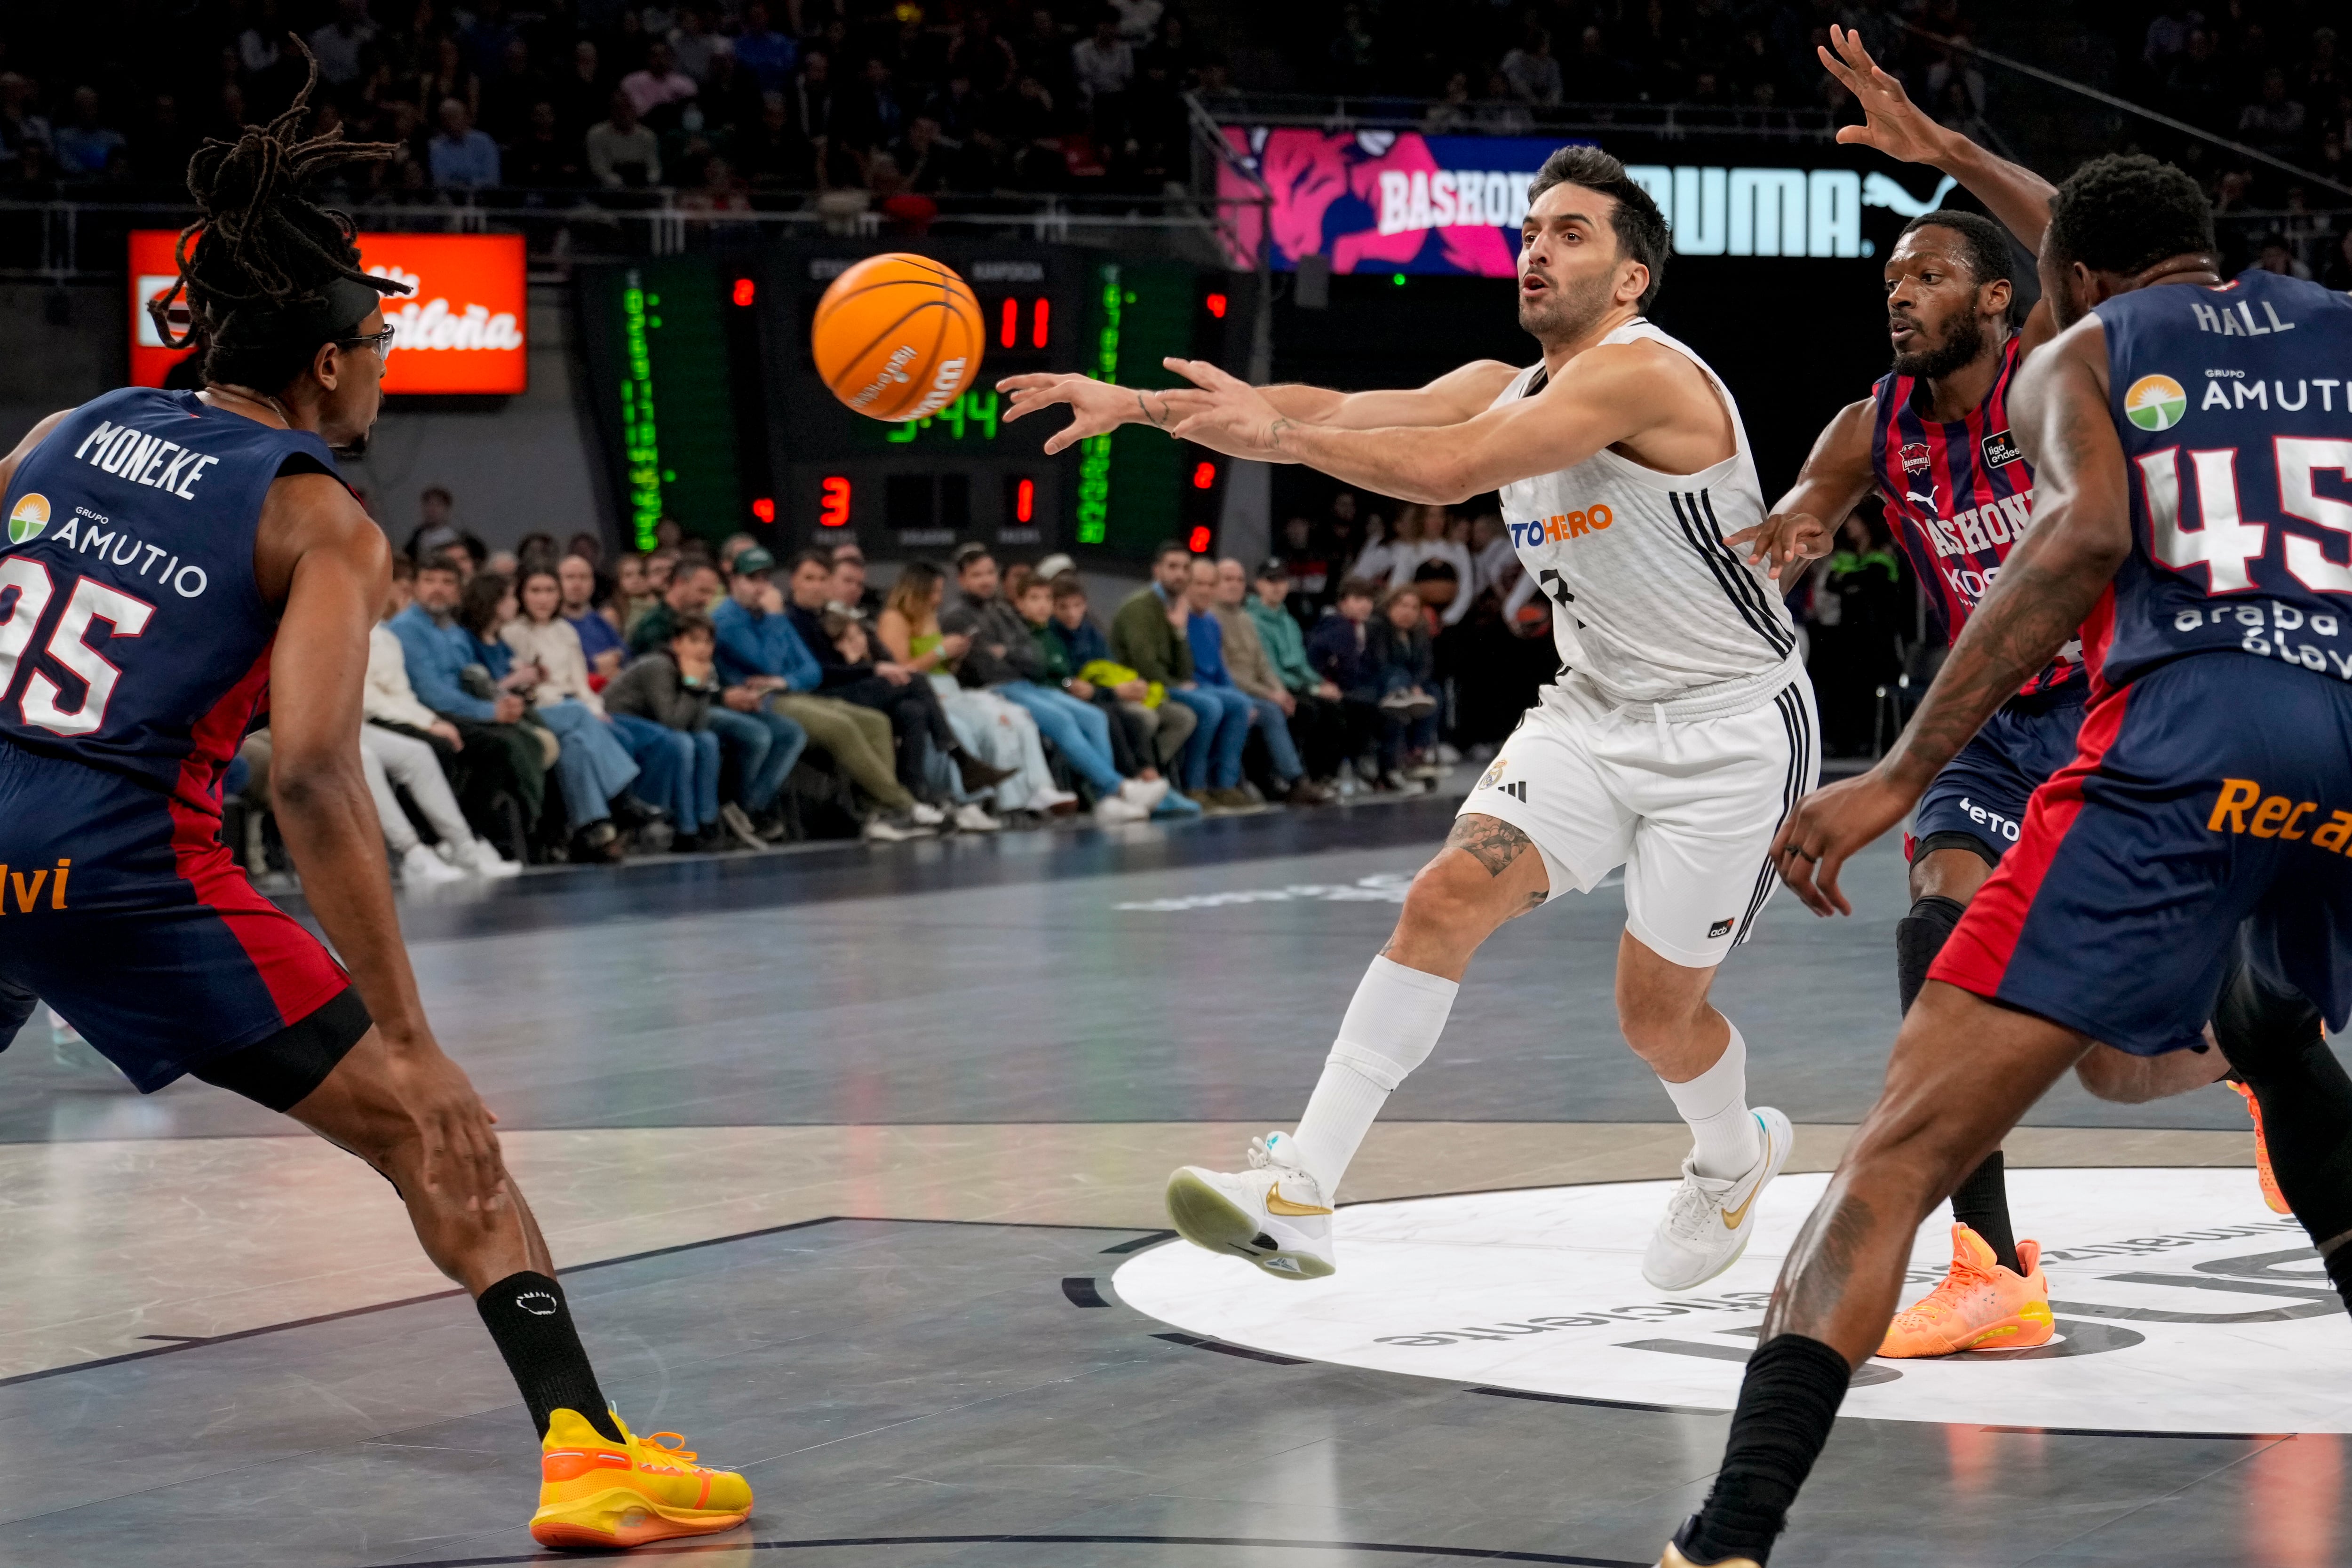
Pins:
<point x="260" y="257"/>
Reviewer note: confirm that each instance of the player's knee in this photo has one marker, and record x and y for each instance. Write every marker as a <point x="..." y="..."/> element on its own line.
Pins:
<point x="1449" y="893"/>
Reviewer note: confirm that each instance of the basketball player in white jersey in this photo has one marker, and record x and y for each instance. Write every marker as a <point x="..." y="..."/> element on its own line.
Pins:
<point x="1679" y="731"/>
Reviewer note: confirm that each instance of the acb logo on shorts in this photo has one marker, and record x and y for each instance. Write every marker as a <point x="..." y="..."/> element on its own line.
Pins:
<point x="28" y="518"/>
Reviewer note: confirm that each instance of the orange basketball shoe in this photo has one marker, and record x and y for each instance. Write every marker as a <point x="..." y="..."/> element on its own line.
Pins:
<point x="596" y="1494"/>
<point x="1979" y="1305"/>
<point x="2271" y="1194"/>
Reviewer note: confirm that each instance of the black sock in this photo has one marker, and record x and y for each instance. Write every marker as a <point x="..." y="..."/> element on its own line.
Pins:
<point x="526" y="1317"/>
<point x="1919" y="936"/>
<point x="1787" y="1403"/>
<point x="1981" y="1203"/>
<point x="2340" y="1271"/>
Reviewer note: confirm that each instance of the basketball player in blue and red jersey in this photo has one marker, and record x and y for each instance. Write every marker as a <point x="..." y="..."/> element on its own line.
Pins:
<point x="1933" y="440"/>
<point x="2193" y="517"/>
<point x="179" y="565"/>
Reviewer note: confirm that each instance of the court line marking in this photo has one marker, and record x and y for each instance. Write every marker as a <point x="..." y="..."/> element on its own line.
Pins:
<point x="233" y="1337"/>
<point x="1474" y="1553"/>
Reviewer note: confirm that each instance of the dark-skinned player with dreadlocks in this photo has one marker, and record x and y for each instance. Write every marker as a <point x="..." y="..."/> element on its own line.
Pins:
<point x="177" y="566"/>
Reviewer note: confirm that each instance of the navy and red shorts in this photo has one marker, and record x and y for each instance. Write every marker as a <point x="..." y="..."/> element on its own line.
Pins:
<point x="121" y="907"/>
<point x="1983" y="791"/>
<point x="2212" y="791"/>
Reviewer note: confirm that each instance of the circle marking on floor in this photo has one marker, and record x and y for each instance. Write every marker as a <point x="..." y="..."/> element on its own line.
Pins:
<point x="2183" y="1304"/>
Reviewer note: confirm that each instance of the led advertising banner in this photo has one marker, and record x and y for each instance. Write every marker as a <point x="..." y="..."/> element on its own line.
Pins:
<point x="460" y="329"/>
<point x="1403" y="201"/>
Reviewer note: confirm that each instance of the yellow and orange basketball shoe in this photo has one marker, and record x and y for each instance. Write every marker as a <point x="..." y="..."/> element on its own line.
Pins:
<point x="1979" y="1305"/>
<point x="2271" y="1194"/>
<point x="594" y="1493"/>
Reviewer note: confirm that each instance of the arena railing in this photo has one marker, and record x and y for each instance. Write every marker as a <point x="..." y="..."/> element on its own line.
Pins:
<point x="61" y="241"/>
<point x="1510" y="117"/>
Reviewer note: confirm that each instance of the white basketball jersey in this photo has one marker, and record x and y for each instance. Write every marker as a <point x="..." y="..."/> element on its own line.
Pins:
<point x="1647" y="600"/>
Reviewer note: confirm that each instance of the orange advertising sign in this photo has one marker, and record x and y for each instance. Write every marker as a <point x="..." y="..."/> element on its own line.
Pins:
<point x="461" y="328"/>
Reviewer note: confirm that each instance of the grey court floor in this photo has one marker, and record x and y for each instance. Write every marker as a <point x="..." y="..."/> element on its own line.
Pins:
<point x="841" y="1150"/>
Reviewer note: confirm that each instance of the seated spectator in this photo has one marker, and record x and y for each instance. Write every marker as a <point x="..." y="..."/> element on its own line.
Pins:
<point x="1003" y="657"/>
<point x="991" y="727"/>
<point x="1034" y="601"/>
<point x="764" y="659"/>
<point x="659" y="85"/>
<point x="85" y="146"/>
<point x="849" y="584"/>
<point x="600" y="640"/>
<point x="1400" y="653"/>
<point x="496" y="755"/>
<point x="888" y="688"/>
<point x="1215" y="682"/>
<point x="462" y="158"/>
<point x="1254" y="677"/>
<point x="1157" y="729"/>
<point x="594" y="767"/>
<point x="663" y="702"/>
<point x="400" y="741"/>
<point x="1317" y="718"/>
<point x="689" y="588"/>
<point x="845" y="630"/>
<point x="1340" y="647"/>
<point x="623" y="150"/>
<point x="631" y="596"/>
<point x="1147" y="636"/>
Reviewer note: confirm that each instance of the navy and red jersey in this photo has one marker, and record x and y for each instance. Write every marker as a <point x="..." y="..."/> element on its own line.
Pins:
<point x="1959" y="495"/>
<point x="132" y="635"/>
<point x="2236" y="423"/>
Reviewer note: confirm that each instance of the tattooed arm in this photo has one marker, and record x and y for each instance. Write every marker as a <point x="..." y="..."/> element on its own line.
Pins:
<point x="2082" y="532"/>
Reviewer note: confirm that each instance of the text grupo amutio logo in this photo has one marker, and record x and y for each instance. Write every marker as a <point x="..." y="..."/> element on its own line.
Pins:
<point x="461" y="329"/>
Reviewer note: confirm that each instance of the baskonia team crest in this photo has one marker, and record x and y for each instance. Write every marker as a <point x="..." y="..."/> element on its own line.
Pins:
<point x="28" y="518"/>
<point x="1914" y="457"/>
<point x="2155" y="403"/>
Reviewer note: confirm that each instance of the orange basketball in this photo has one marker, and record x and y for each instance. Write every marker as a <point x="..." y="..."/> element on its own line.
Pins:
<point x="897" y="337"/>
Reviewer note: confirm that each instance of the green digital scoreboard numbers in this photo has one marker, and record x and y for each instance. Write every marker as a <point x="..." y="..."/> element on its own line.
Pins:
<point x="661" y="379"/>
<point x="712" y="413"/>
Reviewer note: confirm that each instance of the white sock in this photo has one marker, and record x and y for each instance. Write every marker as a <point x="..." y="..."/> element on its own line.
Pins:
<point x="1715" y="1103"/>
<point x="1390" y="1028"/>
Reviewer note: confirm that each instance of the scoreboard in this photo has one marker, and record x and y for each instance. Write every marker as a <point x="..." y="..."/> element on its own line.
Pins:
<point x="711" y="411"/>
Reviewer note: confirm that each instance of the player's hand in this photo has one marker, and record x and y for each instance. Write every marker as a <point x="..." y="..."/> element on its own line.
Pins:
<point x="461" y="1155"/>
<point x="1221" y="411"/>
<point x="1097" y="407"/>
<point x="1827" y="828"/>
<point x="1891" y="123"/>
<point x="1788" y="540"/>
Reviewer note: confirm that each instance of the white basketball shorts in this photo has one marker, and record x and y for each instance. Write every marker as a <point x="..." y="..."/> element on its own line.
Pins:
<point x="1687" y="807"/>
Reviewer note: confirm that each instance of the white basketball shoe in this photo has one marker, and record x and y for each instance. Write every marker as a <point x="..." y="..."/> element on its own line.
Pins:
<point x="1274" y="1214"/>
<point x="1708" y="1221"/>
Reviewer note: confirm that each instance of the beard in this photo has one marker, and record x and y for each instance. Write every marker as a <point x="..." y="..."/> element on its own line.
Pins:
<point x="1964" y="341"/>
<point x="1566" y="310"/>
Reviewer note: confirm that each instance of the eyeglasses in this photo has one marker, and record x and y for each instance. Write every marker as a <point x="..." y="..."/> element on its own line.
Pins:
<point x="381" y="342"/>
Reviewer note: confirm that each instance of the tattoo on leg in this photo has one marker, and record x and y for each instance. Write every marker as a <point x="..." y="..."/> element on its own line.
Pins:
<point x="1813" y="1281"/>
<point x="1491" y="842"/>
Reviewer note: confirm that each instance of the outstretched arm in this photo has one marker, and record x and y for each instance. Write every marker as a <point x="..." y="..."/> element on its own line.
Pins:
<point x="2015" y="194"/>
<point x="2082" y="532"/>
<point x="1097" y="406"/>
<point x="1836" y="476"/>
<point x="1616" y="395"/>
<point x="318" y="555"/>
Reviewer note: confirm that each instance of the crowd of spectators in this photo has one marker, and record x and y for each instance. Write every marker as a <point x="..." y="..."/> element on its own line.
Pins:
<point x="722" y="100"/>
<point x="548" y="704"/>
<point x="2271" y="77"/>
